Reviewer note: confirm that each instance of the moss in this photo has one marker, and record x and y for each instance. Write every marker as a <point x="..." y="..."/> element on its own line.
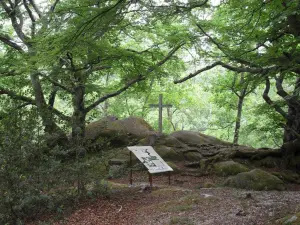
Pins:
<point x="269" y="162"/>
<point x="181" y="221"/>
<point x="208" y="185"/>
<point x="175" y="168"/>
<point x="290" y="220"/>
<point x="288" y="176"/>
<point x="178" y="208"/>
<point x="229" y="168"/>
<point x="168" y="153"/>
<point x="193" y="156"/>
<point x="255" y="180"/>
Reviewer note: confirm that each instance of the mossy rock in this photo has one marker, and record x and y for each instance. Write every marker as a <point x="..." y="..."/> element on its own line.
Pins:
<point x="193" y="156"/>
<point x="192" y="137"/>
<point x="290" y="220"/>
<point x="288" y="176"/>
<point x="205" y="164"/>
<point x="229" y="168"/>
<point x="294" y="161"/>
<point x="124" y="155"/>
<point x="269" y="162"/>
<point x="167" y="153"/>
<point x="170" y="141"/>
<point x="175" y="168"/>
<point x="255" y="180"/>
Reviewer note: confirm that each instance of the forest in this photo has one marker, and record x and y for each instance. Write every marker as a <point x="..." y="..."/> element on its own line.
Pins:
<point x="80" y="80"/>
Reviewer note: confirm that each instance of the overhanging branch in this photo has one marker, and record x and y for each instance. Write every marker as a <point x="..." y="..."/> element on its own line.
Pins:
<point x="6" y="40"/>
<point x="136" y="80"/>
<point x="13" y="95"/>
<point x="113" y="94"/>
<point x="229" y="67"/>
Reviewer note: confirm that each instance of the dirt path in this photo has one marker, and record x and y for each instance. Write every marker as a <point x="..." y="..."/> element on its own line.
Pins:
<point x="185" y="202"/>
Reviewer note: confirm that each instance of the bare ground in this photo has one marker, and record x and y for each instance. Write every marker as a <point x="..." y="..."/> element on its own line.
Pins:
<point x="185" y="201"/>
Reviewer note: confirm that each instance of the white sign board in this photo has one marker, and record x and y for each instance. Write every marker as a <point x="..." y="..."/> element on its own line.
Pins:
<point x="148" y="156"/>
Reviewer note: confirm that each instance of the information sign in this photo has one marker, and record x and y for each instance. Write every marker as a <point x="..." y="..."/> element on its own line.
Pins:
<point x="148" y="156"/>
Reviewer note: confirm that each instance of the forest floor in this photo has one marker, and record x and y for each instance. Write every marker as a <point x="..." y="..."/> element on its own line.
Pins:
<point x="185" y="201"/>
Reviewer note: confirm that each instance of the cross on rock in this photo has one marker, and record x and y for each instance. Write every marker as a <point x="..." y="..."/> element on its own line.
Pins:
<point x="160" y="107"/>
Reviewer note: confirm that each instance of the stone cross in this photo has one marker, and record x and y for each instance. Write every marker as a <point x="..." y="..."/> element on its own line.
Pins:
<point x="160" y="107"/>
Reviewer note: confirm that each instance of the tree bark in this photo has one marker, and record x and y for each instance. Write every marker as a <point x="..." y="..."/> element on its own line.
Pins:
<point x="238" y="120"/>
<point x="78" y="118"/>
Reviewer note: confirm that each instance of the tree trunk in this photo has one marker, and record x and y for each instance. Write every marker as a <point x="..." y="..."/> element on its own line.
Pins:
<point x="78" y="118"/>
<point x="292" y="128"/>
<point x="55" y="134"/>
<point x="238" y="119"/>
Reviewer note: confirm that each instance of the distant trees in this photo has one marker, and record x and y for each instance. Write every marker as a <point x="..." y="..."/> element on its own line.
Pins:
<point x="260" y="38"/>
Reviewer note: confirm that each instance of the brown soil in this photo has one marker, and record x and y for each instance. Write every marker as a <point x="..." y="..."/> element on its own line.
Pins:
<point x="185" y="201"/>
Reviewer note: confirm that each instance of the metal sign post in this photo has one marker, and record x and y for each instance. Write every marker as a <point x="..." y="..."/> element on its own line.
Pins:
<point x="130" y="179"/>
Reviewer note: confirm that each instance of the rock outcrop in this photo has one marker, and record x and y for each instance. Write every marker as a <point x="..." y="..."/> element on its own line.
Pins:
<point x="257" y="180"/>
<point x="201" y="152"/>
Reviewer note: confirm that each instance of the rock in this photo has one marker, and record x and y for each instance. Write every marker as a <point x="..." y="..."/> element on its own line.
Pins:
<point x="124" y="155"/>
<point x="170" y="141"/>
<point x="193" y="156"/>
<point x="175" y="168"/>
<point x="255" y="180"/>
<point x="168" y="153"/>
<point x="204" y="164"/>
<point x="196" y="138"/>
<point x="269" y="162"/>
<point x="294" y="161"/>
<point x="119" y="130"/>
<point x="288" y="176"/>
<point x="228" y="168"/>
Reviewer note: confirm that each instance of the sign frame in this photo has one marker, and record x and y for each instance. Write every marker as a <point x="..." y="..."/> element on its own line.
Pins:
<point x="151" y="160"/>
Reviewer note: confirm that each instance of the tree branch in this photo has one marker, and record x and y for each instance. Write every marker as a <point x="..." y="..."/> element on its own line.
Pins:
<point x="229" y="67"/>
<point x="8" y="41"/>
<point x="136" y="80"/>
<point x="58" y="85"/>
<point x="221" y="48"/>
<point x="270" y="102"/>
<point x="113" y="94"/>
<point x="13" y="95"/>
<point x="52" y="96"/>
<point x="11" y="13"/>
<point x="37" y="10"/>
<point x="282" y="93"/>
<point x="52" y="8"/>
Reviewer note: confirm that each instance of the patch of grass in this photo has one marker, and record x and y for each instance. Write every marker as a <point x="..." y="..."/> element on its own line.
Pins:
<point x="178" y="208"/>
<point x="290" y="220"/>
<point x="185" y="203"/>
<point x="181" y="221"/>
<point x="208" y="185"/>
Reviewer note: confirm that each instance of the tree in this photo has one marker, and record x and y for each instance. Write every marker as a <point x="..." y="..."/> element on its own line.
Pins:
<point x="66" y="50"/>
<point x="260" y="38"/>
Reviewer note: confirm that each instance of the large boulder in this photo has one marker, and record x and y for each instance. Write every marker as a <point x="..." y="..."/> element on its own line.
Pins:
<point x="229" y="168"/>
<point x="118" y="131"/>
<point x="255" y="180"/>
<point x="196" y="138"/>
